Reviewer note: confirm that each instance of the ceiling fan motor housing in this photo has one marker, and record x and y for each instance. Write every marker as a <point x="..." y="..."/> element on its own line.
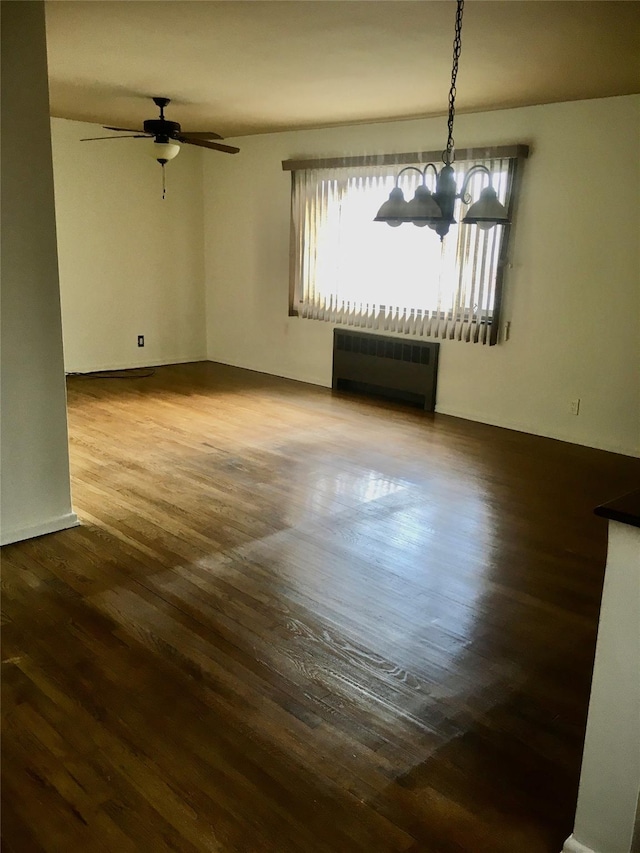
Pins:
<point x="162" y="127"/>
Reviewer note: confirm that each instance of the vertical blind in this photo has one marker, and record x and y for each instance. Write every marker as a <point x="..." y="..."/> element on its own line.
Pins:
<point x="348" y="269"/>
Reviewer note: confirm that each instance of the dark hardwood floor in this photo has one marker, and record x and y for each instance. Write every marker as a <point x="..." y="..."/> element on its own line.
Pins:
<point x="295" y="622"/>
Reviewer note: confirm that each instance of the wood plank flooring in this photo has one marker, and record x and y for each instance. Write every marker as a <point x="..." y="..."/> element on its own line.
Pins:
<point x="298" y="622"/>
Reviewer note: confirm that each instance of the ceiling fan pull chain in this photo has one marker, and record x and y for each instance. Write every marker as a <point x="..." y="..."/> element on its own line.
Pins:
<point x="164" y="184"/>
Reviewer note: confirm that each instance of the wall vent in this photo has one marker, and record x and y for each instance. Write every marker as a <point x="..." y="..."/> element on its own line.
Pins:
<point x="386" y="367"/>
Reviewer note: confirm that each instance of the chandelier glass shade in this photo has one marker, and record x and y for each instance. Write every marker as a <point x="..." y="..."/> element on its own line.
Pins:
<point x="434" y="208"/>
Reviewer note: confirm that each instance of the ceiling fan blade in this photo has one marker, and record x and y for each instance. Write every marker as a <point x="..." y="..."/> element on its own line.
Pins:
<point x="127" y="136"/>
<point x="124" y="129"/>
<point x="229" y="149"/>
<point x="201" y="134"/>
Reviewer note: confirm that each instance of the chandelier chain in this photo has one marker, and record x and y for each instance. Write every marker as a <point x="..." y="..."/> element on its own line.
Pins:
<point x="436" y="209"/>
<point x="457" y="47"/>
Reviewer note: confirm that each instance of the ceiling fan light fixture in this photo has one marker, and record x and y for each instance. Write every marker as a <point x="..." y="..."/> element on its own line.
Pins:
<point x="165" y="150"/>
<point x="167" y="137"/>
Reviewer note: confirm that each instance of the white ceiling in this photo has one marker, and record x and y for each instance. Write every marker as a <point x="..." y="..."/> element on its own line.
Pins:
<point x="256" y="66"/>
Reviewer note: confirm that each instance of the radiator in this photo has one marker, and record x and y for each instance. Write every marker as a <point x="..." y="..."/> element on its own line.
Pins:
<point x="386" y="367"/>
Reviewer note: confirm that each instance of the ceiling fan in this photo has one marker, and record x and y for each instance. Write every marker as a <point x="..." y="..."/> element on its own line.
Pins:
<point x="168" y="135"/>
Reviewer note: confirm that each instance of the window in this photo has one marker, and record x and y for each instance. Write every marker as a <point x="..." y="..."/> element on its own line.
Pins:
<point x="348" y="269"/>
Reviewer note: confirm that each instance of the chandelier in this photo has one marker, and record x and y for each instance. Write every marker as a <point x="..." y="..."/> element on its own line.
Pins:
<point x="435" y="209"/>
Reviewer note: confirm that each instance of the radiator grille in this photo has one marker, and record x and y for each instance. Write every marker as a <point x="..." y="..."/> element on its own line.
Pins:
<point x="384" y="366"/>
<point x="383" y="347"/>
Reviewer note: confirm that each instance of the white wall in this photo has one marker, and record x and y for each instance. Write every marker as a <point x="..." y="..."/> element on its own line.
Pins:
<point x="130" y="263"/>
<point x="34" y="461"/>
<point x="607" y="811"/>
<point x="572" y="297"/>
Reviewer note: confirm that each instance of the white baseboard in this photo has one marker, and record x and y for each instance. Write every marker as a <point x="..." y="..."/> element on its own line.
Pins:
<point x="296" y="376"/>
<point x="519" y="426"/>
<point x="573" y="846"/>
<point x="148" y="362"/>
<point x="53" y="525"/>
<point x="479" y="417"/>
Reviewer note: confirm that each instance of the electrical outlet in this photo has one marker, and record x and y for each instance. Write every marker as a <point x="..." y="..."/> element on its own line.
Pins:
<point x="140" y="340"/>
<point x="575" y="407"/>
